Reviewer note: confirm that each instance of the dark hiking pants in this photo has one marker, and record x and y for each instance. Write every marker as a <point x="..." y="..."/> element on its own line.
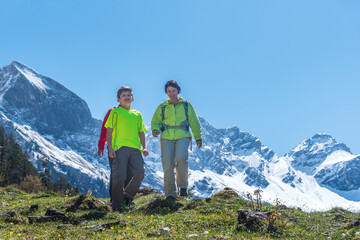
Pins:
<point x="126" y="157"/>
<point x="128" y="176"/>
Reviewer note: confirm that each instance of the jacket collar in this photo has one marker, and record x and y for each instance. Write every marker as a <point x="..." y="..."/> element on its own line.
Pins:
<point x="166" y="102"/>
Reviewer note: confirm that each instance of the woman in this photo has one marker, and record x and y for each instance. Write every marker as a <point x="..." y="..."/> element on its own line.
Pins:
<point x="172" y="119"/>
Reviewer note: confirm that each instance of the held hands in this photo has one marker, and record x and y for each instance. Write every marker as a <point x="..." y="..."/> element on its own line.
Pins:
<point x="199" y="144"/>
<point x="145" y="152"/>
<point x="155" y="133"/>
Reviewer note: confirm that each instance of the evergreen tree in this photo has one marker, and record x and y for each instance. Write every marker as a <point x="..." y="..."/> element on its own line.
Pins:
<point x="14" y="164"/>
<point x="45" y="173"/>
<point x="61" y="184"/>
<point x="3" y="150"/>
<point x="15" y="168"/>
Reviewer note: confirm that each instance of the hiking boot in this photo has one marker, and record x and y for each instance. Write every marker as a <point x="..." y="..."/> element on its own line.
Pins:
<point x="183" y="192"/>
<point x="129" y="201"/>
<point x="170" y="199"/>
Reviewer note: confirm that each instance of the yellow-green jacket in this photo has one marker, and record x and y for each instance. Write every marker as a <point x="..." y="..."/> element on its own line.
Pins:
<point x="174" y="116"/>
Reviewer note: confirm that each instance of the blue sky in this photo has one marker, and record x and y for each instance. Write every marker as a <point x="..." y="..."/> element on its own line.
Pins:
<point x="281" y="70"/>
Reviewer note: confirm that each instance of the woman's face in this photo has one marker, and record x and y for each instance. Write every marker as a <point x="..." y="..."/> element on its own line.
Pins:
<point x="172" y="92"/>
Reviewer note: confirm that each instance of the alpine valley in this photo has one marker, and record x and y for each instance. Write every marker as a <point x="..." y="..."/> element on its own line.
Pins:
<point x="51" y="122"/>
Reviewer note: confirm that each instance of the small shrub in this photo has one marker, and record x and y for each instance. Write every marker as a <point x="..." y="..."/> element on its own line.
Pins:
<point x="32" y="184"/>
<point x="227" y="193"/>
<point x="255" y="199"/>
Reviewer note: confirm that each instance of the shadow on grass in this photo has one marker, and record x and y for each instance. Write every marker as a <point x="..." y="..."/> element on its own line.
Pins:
<point x="195" y="203"/>
<point x="162" y="206"/>
<point x="94" y="215"/>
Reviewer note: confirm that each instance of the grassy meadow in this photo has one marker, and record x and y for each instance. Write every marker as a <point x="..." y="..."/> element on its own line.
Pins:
<point x="33" y="216"/>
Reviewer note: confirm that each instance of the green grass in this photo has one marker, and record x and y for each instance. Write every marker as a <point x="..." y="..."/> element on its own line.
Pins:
<point x="212" y="219"/>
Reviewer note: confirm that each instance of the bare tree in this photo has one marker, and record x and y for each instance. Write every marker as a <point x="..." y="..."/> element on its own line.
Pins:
<point x="257" y="193"/>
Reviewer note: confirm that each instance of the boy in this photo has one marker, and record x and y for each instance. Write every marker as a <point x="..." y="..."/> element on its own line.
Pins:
<point x="101" y="146"/>
<point x="126" y="133"/>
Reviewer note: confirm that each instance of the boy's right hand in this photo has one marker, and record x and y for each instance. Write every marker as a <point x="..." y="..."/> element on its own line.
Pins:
<point x="112" y="153"/>
<point x="155" y="133"/>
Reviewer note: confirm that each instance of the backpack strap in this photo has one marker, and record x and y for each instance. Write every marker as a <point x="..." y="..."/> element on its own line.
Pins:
<point x="162" y="114"/>
<point x="186" y="107"/>
<point x="186" y="104"/>
<point x="187" y="124"/>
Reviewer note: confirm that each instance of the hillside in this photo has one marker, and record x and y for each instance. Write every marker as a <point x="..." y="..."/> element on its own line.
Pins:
<point x="53" y="216"/>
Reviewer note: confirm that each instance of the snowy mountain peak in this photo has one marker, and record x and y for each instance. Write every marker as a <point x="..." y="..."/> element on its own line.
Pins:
<point x="318" y="144"/>
<point x="16" y="67"/>
<point x="203" y="122"/>
<point x="33" y="77"/>
<point x="322" y="138"/>
<point x="16" y="71"/>
<point x="15" y="63"/>
<point x="33" y="99"/>
<point x="311" y="153"/>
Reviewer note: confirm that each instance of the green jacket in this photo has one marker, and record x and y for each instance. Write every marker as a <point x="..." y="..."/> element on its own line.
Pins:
<point x="174" y="116"/>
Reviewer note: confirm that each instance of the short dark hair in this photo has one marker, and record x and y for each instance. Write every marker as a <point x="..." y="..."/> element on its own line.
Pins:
<point x="124" y="89"/>
<point x="174" y="84"/>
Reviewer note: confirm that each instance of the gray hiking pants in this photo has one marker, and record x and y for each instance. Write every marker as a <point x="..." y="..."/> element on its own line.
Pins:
<point x="174" y="154"/>
<point x="126" y="157"/>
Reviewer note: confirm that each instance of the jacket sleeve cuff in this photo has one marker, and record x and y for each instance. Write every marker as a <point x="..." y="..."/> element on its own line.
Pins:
<point x="101" y="146"/>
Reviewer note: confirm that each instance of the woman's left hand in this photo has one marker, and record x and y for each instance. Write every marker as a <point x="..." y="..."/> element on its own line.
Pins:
<point x="199" y="144"/>
<point x="145" y="152"/>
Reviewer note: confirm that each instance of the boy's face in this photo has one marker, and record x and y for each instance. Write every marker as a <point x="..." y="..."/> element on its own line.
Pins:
<point x="126" y="98"/>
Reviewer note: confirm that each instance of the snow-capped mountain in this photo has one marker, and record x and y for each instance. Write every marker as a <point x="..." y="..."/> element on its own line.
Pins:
<point x="50" y="121"/>
<point x="332" y="164"/>
<point x="310" y="154"/>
